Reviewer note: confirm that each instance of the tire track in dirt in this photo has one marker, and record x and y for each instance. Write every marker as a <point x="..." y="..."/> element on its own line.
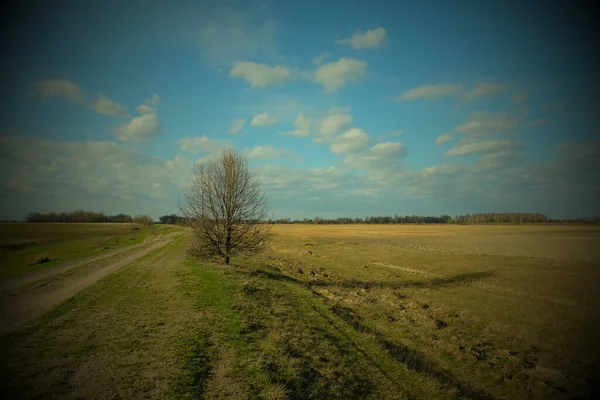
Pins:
<point x="485" y="286"/>
<point x="17" y="308"/>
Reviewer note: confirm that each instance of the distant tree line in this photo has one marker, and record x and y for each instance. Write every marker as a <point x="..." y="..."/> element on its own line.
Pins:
<point x="172" y="219"/>
<point x="470" y="219"/>
<point x="86" y="216"/>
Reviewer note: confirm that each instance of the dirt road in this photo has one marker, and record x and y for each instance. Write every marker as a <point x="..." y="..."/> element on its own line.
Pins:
<point x="27" y="297"/>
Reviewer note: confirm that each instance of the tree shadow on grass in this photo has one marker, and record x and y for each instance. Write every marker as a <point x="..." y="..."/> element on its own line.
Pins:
<point x="429" y="284"/>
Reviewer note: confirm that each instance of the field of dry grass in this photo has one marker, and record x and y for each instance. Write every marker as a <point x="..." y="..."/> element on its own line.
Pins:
<point x="328" y="311"/>
<point x="510" y="309"/>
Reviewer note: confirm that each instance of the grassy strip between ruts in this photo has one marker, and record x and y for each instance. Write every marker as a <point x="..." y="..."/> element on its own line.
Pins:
<point x="265" y="335"/>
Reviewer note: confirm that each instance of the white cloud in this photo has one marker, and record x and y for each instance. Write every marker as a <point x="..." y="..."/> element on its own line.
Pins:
<point x="264" y="119"/>
<point x="93" y="175"/>
<point x="202" y="144"/>
<point x="103" y="105"/>
<point x="268" y="152"/>
<point x="484" y="90"/>
<point x="261" y="75"/>
<point x="381" y="161"/>
<point x="139" y="129"/>
<point x="446" y="137"/>
<point x="302" y="125"/>
<point x="387" y="149"/>
<point x="237" y="125"/>
<point x="483" y="123"/>
<point x="430" y="92"/>
<point x="340" y="73"/>
<point x="396" y="133"/>
<point x="152" y="101"/>
<point x="145" y="109"/>
<point x="335" y="121"/>
<point x="318" y="60"/>
<point x="59" y="88"/>
<point x="370" y="39"/>
<point x="489" y="146"/>
<point x="351" y="141"/>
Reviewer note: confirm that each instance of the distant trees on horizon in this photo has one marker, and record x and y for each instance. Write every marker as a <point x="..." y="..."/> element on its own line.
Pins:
<point x="468" y="219"/>
<point x="79" y="216"/>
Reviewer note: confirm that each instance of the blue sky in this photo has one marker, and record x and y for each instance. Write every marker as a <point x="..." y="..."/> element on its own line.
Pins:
<point x="343" y="108"/>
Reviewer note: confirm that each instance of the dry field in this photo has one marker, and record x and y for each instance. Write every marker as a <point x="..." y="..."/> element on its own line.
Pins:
<point x="509" y="309"/>
<point x="327" y="312"/>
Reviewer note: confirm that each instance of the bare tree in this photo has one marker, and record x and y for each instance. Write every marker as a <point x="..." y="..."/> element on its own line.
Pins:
<point x="226" y="207"/>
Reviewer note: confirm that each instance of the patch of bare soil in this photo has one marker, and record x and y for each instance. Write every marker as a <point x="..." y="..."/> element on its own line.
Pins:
<point x="62" y="282"/>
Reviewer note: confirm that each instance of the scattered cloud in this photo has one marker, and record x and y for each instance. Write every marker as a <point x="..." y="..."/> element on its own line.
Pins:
<point x="430" y="92"/>
<point x="145" y="109"/>
<point x="387" y="149"/>
<point x="320" y="59"/>
<point x="338" y="74"/>
<point x="369" y="39"/>
<point x="489" y="146"/>
<point x="485" y="90"/>
<point x="444" y="138"/>
<point x="261" y="75"/>
<point x="302" y="125"/>
<point x="103" y="105"/>
<point x="237" y="125"/>
<point x="484" y="123"/>
<point x="436" y="91"/>
<point x="59" y="88"/>
<point x="153" y="100"/>
<point x="101" y="175"/>
<point x="379" y="159"/>
<point x="264" y="119"/>
<point x="139" y="129"/>
<point x="334" y="122"/>
<point x="268" y="152"/>
<point x="396" y="133"/>
<point x="351" y="141"/>
<point x="202" y="144"/>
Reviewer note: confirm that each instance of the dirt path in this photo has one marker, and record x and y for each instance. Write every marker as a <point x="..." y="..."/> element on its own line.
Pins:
<point x="20" y="303"/>
<point x="126" y="336"/>
<point x="15" y="283"/>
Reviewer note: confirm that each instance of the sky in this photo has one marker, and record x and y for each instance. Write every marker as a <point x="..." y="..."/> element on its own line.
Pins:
<point x="343" y="108"/>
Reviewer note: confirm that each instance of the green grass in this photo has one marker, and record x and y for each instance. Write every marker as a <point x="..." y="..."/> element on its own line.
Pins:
<point x="24" y="243"/>
<point x="280" y="340"/>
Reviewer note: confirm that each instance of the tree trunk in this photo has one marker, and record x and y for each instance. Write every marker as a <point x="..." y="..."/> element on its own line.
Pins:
<point x="227" y="245"/>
